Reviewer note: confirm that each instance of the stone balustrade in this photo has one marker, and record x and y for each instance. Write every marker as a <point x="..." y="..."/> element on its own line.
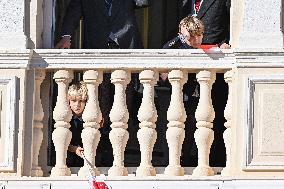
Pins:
<point x="147" y="115"/>
<point x="121" y="65"/>
<point x="251" y="110"/>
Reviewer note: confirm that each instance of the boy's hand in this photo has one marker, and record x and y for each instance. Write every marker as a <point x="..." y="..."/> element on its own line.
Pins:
<point x="79" y="151"/>
<point x="76" y="149"/>
<point x="225" y="46"/>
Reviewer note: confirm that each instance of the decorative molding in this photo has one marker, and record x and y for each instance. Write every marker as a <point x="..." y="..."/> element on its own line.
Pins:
<point x="259" y="58"/>
<point x="15" y="59"/>
<point x="10" y="112"/>
<point x="195" y="59"/>
<point x="248" y="163"/>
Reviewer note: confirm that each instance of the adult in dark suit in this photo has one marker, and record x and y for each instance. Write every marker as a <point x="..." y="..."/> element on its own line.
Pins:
<point x="215" y="15"/>
<point x="107" y="23"/>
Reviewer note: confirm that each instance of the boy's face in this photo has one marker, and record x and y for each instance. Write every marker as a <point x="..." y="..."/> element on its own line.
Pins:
<point x="184" y="31"/>
<point x="77" y="106"/>
<point x="195" y="40"/>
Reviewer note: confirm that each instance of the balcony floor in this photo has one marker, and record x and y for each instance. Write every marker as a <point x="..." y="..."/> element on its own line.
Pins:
<point x="180" y="183"/>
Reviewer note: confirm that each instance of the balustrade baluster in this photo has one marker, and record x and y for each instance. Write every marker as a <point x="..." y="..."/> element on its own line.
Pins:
<point x="37" y="124"/>
<point x="204" y="116"/>
<point x="227" y="135"/>
<point x="119" y="116"/>
<point x="62" y="115"/>
<point x="92" y="117"/>
<point x="147" y="116"/>
<point x="176" y="116"/>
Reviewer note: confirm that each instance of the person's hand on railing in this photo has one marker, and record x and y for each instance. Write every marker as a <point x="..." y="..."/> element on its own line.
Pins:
<point x="64" y="43"/>
<point x="225" y="46"/>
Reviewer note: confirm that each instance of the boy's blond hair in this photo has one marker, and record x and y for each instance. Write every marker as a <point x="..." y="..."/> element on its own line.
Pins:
<point x="78" y="91"/>
<point x="193" y="25"/>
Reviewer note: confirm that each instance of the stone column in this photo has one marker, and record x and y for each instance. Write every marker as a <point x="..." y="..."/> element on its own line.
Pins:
<point x="204" y="116"/>
<point x="147" y="116"/>
<point x="36" y="23"/>
<point x="92" y="117"/>
<point x="12" y="24"/>
<point x="62" y="115"/>
<point x="257" y="23"/>
<point x="176" y="116"/>
<point x="119" y="116"/>
<point x="37" y="124"/>
<point x="228" y="132"/>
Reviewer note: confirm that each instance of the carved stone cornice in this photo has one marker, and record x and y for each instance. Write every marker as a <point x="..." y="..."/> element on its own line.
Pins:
<point x="15" y="59"/>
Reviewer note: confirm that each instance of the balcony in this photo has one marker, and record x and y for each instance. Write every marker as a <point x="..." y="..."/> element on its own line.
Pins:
<point x="255" y="86"/>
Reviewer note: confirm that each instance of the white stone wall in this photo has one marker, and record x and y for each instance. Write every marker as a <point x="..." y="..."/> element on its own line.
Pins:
<point x="257" y="23"/>
<point x="12" y="24"/>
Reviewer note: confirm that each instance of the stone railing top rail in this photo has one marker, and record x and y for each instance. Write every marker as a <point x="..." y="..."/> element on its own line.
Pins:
<point x="131" y="59"/>
<point x="138" y="59"/>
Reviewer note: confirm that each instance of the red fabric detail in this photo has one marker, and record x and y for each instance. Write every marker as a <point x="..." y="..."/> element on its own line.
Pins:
<point x="197" y="5"/>
<point x="210" y="48"/>
<point x="99" y="185"/>
<point x="206" y="47"/>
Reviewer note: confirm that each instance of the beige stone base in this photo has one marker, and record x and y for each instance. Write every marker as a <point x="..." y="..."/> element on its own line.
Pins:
<point x="174" y="170"/>
<point x="203" y="171"/>
<point x="117" y="171"/>
<point x="60" y="171"/>
<point x="145" y="171"/>
<point x="36" y="172"/>
<point x="84" y="172"/>
<point x="226" y="171"/>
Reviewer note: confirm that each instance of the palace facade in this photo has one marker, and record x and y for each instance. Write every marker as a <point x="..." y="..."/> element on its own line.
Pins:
<point x="253" y="71"/>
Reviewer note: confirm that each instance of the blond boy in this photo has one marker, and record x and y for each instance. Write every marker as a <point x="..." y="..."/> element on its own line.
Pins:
<point x="190" y="34"/>
<point x="77" y="97"/>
